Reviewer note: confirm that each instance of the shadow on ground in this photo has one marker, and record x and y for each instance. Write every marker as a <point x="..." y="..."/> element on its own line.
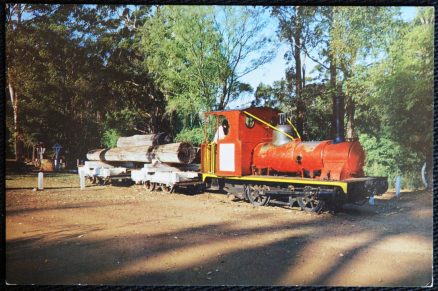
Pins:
<point x="213" y="254"/>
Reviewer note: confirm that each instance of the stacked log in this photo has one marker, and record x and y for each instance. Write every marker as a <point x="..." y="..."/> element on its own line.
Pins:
<point x="144" y="140"/>
<point x="181" y="153"/>
<point x="121" y="154"/>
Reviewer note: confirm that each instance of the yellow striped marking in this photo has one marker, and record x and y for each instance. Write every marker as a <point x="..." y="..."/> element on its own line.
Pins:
<point x="342" y="185"/>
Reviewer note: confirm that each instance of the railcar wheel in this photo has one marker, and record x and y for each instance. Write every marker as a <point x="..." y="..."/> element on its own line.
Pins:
<point x="167" y="189"/>
<point x="147" y="185"/>
<point x="200" y="188"/>
<point x="255" y="195"/>
<point x="100" y="181"/>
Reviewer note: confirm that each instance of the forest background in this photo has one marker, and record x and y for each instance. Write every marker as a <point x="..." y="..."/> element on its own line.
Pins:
<point x="83" y="75"/>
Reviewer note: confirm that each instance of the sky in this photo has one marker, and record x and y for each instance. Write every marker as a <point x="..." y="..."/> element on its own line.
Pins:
<point x="275" y="69"/>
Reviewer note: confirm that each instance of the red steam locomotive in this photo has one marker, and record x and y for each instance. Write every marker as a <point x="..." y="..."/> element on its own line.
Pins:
<point x="258" y="155"/>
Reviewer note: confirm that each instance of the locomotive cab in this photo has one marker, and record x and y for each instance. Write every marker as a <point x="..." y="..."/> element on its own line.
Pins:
<point x="230" y="154"/>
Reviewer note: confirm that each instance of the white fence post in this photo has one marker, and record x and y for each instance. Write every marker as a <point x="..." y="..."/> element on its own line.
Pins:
<point x="40" y="181"/>
<point x="81" y="178"/>
<point x="397" y="186"/>
<point x="371" y="200"/>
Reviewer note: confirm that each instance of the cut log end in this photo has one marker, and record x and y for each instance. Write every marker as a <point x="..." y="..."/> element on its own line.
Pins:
<point x="186" y="153"/>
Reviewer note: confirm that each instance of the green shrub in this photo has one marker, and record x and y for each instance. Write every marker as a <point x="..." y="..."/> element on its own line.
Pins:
<point x="110" y="137"/>
<point x="385" y="157"/>
<point x="194" y="136"/>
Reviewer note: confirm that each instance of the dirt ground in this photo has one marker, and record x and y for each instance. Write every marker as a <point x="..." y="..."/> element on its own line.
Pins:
<point x="127" y="235"/>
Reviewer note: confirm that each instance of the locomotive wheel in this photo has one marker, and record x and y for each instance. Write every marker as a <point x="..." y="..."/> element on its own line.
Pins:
<point x="309" y="204"/>
<point x="255" y="195"/>
<point x="292" y="201"/>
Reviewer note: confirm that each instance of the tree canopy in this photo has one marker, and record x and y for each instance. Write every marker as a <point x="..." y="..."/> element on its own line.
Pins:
<point x="83" y="75"/>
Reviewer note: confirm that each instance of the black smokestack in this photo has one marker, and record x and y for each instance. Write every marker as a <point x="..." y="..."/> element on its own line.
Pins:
<point x="339" y="118"/>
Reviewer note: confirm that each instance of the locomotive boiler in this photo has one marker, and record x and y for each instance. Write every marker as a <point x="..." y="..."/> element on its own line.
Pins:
<point x="326" y="160"/>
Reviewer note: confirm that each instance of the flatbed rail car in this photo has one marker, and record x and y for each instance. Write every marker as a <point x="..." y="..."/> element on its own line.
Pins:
<point x="168" y="177"/>
<point x="103" y="173"/>
<point x="153" y="176"/>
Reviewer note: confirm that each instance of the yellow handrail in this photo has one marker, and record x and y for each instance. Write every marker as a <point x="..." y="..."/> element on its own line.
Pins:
<point x="296" y="131"/>
<point x="269" y="125"/>
<point x="212" y="158"/>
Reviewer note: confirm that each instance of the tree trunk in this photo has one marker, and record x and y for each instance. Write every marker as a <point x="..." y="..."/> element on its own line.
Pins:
<point x="333" y="92"/>
<point x="338" y="99"/>
<point x="337" y="96"/>
<point x="14" y="25"/>
<point x="351" y="107"/>
<point x="18" y="136"/>
<point x="304" y="73"/>
<point x="298" y="80"/>
<point x="223" y="96"/>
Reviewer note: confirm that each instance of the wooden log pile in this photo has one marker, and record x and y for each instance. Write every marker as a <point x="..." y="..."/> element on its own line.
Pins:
<point x="145" y="149"/>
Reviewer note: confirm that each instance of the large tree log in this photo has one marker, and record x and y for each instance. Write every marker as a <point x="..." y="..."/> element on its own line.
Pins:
<point x="181" y="153"/>
<point x="122" y="154"/>
<point x="144" y="140"/>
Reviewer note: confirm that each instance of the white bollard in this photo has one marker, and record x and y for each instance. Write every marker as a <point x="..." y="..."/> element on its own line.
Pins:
<point x="81" y="179"/>
<point x="397" y="186"/>
<point x="40" y="181"/>
<point x="371" y="200"/>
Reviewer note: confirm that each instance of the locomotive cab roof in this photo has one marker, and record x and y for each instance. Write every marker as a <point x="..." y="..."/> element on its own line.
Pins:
<point x="249" y="109"/>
